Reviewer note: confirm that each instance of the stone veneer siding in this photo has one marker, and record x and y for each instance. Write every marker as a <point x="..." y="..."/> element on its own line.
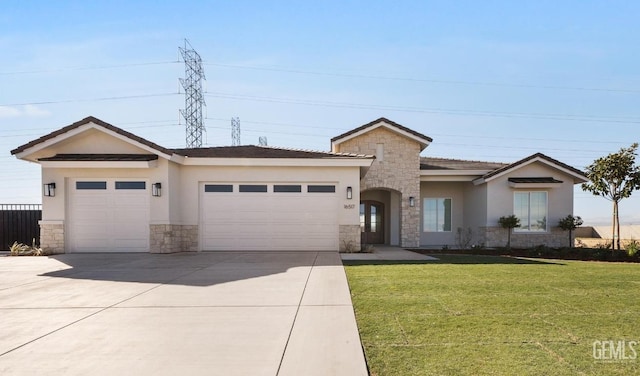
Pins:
<point x="52" y="238"/>
<point x="173" y="238"/>
<point x="497" y="237"/>
<point x="399" y="170"/>
<point x="349" y="238"/>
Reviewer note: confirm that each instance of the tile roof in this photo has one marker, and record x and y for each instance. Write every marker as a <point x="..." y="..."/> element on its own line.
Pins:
<point x="531" y="157"/>
<point x="382" y="119"/>
<point x="534" y="180"/>
<point x="102" y="157"/>
<point x="428" y="163"/>
<point x="96" y="121"/>
<point x="253" y="151"/>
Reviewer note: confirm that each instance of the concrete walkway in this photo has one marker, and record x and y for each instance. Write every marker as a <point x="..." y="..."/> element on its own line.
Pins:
<point x="387" y="253"/>
<point x="222" y="313"/>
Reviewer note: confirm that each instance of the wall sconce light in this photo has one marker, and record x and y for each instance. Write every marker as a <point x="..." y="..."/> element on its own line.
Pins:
<point x="156" y="189"/>
<point x="349" y="193"/>
<point x="49" y="190"/>
<point x="412" y="201"/>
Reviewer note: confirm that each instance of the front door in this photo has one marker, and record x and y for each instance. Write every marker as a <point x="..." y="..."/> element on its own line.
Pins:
<point x="372" y="222"/>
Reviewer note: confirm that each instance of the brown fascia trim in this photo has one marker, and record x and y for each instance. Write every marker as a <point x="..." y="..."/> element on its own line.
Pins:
<point x="531" y="157"/>
<point x="382" y="119"/>
<point x="91" y="119"/>
<point x="100" y="158"/>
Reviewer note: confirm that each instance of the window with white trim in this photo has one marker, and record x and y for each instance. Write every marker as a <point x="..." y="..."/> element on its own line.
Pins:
<point x="436" y="214"/>
<point x="531" y="208"/>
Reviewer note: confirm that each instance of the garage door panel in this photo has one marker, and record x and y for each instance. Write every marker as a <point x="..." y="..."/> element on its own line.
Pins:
<point x="269" y="220"/>
<point x="107" y="219"/>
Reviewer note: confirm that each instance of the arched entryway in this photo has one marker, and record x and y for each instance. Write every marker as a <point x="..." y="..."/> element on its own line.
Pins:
<point x="380" y="216"/>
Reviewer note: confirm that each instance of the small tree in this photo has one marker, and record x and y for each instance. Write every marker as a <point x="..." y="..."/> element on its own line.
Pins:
<point x="570" y="223"/>
<point x="614" y="177"/>
<point x="510" y="222"/>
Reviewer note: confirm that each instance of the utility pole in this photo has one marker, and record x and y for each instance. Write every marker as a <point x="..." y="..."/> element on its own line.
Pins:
<point x="194" y="99"/>
<point x="235" y="131"/>
<point x="262" y="140"/>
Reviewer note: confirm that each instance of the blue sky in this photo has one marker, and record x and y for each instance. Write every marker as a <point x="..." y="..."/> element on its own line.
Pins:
<point x="490" y="80"/>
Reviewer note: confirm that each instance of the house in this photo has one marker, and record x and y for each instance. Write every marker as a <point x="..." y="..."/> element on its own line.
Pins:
<point x="108" y="190"/>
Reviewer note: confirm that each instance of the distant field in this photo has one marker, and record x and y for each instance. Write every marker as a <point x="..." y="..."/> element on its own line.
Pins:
<point x="486" y="315"/>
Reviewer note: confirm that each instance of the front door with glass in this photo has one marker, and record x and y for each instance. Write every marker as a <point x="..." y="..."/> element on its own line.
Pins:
<point x="372" y="222"/>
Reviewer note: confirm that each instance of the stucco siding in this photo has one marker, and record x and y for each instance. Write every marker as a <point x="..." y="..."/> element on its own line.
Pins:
<point x="452" y="190"/>
<point x="91" y="141"/>
<point x="500" y="203"/>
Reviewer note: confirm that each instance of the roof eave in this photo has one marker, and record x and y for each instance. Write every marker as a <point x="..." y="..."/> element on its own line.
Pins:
<point x="23" y="151"/>
<point x="577" y="177"/>
<point x="281" y="162"/>
<point x="382" y="122"/>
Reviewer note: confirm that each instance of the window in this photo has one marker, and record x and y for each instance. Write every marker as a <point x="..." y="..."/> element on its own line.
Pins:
<point x="91" y="185"/>
<point x="131" y="185"/>
<point x="437" y="214"/>
<point x="531" y="209"/>
<point x="218" y="188"/>
<point x="253" y="188"/>
<point x="321" y="189"/>
<point x="380" y="152"/>
<point x="287" y="188"/>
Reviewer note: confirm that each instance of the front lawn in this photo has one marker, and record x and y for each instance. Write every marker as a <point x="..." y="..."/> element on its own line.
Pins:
<point x="487" y="315"/>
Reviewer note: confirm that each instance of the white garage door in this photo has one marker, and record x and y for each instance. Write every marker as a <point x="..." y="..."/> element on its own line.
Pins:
<point x="109" y="215"/>
<point x="268" y="217"/>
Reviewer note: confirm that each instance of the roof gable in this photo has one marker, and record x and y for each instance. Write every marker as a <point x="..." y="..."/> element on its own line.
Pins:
<point x="81" y="126"/>
<point x="423" y="140"/>
<point x="578" y="176"/>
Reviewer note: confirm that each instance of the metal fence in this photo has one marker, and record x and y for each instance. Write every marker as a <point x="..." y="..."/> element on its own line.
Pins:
<point x="19" y="223"/>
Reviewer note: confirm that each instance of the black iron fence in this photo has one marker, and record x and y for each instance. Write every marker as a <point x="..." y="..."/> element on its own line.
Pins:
<point x="19" y="223"/>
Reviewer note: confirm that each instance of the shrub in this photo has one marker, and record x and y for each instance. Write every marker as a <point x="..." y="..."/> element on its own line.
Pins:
<point x="19" y="249"/>
<point x="632" y="247"/>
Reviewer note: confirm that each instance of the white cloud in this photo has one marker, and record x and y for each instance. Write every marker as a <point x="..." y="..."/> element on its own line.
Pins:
<point x="9" y="112"/>
<point x="28" y="110"/>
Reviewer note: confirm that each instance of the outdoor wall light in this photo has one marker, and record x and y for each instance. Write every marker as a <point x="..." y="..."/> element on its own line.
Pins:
<point x="49" y="189"/>
<point x="156" y="189"/>
<point x="349" y="193"/>
<point x="412" y="201"/>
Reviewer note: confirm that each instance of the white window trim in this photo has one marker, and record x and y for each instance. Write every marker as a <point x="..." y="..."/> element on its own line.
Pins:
<point x="451" y="215"/>
<point x="519" y="230"/>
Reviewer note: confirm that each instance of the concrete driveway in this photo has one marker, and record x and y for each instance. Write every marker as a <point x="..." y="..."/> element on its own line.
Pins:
<point x="218" y="313"/>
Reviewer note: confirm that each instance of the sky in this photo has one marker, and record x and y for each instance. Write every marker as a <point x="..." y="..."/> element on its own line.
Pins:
<point x="487" y="80"/>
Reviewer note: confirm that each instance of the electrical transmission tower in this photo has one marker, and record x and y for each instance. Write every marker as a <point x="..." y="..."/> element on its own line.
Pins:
<point x="194" y="100"/>
<point x="262" y="140"/>
<point x="235" y="131"/>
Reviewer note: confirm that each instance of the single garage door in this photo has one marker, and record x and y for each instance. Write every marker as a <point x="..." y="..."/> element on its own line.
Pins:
<point x="268" y="217"/>
<point x="108" y="215"/>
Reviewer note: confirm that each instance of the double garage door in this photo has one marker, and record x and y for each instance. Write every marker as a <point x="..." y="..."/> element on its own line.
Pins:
<point x="269" y="216"/>
<point x="108" y="215"/>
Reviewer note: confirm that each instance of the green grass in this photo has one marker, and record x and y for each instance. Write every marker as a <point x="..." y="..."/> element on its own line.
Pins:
<point x="486" y="315"/>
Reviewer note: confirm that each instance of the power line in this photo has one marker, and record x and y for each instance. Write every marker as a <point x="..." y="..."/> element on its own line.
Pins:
<point x="459" y="112"/>
<point x="99" y="99"/>
<point x="89" y="67"/>
<point x="413" y="79"/>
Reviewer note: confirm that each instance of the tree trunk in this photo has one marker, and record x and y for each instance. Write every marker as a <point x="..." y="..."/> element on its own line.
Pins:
<point x="617" y="226"/>
<point x="570" y="239"/>
<point x="508" y="238"/>
<point x="613" y="228"/>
